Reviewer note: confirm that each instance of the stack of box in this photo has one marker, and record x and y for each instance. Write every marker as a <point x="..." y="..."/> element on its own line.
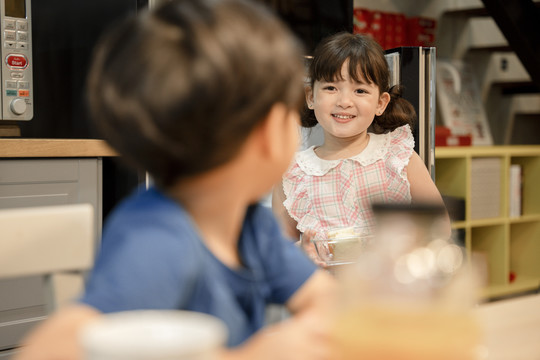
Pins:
<point x="485" y="188"/>
<point x="445" y="137"/>
<point x="421" y="31"/>
<point x="392" y="30"/>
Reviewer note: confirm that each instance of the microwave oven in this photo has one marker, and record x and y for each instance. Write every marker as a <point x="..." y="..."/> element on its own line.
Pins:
<point x="16" y="51"/>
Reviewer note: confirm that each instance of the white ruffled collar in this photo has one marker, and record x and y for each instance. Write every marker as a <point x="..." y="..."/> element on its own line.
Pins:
<point x="376" y="149"/>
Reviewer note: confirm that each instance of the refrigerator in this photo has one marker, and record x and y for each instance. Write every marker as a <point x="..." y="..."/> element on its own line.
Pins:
<point x="414" y="69"/>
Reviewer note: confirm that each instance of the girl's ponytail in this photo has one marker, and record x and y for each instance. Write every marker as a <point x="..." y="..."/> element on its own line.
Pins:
<point x="398" y="112"/>
<point x="307" y="117"/>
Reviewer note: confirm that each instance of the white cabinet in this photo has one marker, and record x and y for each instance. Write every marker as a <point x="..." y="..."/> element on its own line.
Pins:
<point x="28" y="182"/>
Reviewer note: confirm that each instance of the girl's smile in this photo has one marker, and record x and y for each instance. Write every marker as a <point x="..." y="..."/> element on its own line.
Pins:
<point x="343" y="118"/>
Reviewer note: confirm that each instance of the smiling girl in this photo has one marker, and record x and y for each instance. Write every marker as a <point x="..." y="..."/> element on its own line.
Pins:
<point x="367" y="155"/>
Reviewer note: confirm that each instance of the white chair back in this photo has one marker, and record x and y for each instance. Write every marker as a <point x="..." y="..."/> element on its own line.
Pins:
<point x="46" y="240"/>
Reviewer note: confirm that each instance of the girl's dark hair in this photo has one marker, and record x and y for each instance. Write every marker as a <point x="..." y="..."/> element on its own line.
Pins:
<point x="366" y="61"/>
<point x="178" y="89"/>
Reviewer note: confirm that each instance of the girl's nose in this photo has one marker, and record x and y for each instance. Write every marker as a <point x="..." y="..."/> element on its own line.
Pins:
<point x="344" y="100"/>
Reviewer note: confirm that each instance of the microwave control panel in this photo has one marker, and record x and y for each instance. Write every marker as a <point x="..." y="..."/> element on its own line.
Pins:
<point x="16" y="76"/>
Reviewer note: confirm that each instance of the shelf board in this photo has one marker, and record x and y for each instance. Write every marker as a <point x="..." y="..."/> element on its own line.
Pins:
<point x="487" y="222"/>
<point x="525" y="219"/>
<point x="475" y="11"/>
<point x="451" y="152"/>
<point x="467" y="12"/>
<point x="517" y="87"/>
<point x="516" y="287"/>
<point x="493" y="48"/>
<point x="459" y="224"/>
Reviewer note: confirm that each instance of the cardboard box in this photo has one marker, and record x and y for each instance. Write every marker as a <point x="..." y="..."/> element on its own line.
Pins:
<point x="421" y="31"/>
<point x="444" y="137"/>
<point x="361" y="21"/>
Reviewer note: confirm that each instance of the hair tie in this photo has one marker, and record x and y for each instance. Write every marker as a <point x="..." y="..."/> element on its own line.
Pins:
<point x="395" y="91"/>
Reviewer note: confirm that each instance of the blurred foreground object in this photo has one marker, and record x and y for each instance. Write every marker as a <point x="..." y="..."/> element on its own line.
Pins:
<point x="411" y="293"/>
<point x="154" y="335"/>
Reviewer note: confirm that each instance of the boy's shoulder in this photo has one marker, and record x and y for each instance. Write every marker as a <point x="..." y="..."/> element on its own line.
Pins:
<point x="145" y="208"/>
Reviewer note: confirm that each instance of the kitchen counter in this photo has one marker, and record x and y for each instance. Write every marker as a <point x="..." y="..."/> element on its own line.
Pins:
<point x="54" y="148"/>
<point x="46" y="172"/>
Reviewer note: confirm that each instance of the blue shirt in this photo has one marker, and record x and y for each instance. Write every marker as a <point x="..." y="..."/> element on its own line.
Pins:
<point x="152" y="257"/>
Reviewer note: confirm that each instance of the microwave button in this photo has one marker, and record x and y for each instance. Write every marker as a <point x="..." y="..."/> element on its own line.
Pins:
<point x="17" y="75"/>
<point x="22" y="25"/>
<point x="17" y="61"/>
<point x="22" y="45"/>
<point x="11" y="84"/>
<point x="22" y="36"/>
<point x="18" y="106"/>
<point x="9" y="35"/>
<point x="9" y="44"/>
<point x="23" y="84"/>
<point x="9" y="24"/>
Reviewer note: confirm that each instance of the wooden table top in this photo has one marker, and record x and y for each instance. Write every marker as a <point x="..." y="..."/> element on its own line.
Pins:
<point x="512" y="328"/>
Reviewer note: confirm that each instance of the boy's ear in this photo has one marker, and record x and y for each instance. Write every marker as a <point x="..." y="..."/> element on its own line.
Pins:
<point x="270" y="129"/>
<point x="277" y="132"/>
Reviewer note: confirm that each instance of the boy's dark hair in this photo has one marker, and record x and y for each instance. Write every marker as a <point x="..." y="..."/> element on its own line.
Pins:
<point x="366" y="61"/>
<point x="178" y="89"/>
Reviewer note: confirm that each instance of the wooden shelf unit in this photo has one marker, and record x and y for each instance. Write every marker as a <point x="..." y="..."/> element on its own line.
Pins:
<point x="509" y="244"/>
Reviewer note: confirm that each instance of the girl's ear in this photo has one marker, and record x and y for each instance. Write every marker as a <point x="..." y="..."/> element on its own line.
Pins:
<point x="384" y="99"/>
<point x="309" y="96"/>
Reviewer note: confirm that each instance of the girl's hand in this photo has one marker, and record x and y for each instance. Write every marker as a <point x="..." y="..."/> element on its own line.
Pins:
<point x="309" y="248"/>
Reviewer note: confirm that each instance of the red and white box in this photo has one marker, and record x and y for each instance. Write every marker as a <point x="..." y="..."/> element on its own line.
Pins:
<point x="377" y="27"/>
<point x="444" y="137"/>
<point x="421" y="31"/>
<point x="361" y="21"/>
<point x="389" y="30"/>
<point x="400" y="30"/>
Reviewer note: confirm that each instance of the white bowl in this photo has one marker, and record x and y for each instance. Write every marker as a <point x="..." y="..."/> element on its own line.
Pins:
<point x="154" y="335"/>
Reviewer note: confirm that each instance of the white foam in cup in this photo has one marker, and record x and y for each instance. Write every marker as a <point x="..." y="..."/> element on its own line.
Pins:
<point x="154" y="335"/>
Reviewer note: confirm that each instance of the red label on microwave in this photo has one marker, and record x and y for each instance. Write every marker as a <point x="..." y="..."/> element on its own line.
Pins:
<point x="16" y="61"/>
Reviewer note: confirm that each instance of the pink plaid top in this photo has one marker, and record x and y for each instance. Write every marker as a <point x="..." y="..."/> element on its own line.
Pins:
<point x="324" y="194"/>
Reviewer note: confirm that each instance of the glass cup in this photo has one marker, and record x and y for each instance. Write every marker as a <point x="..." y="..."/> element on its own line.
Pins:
<point x="410" y="294"/>
<point x="340" y="249"/>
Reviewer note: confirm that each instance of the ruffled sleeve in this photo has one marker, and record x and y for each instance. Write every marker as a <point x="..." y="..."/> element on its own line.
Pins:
<point x="295" y="190"/>
<point x="401" y="147"/>
<point x="400" y="150"/>
<point x="298" y="203"/>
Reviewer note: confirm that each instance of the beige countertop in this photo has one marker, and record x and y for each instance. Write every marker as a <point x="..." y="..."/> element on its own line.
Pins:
<point x="25" y="148"/>
<point x="512" y="328"/>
